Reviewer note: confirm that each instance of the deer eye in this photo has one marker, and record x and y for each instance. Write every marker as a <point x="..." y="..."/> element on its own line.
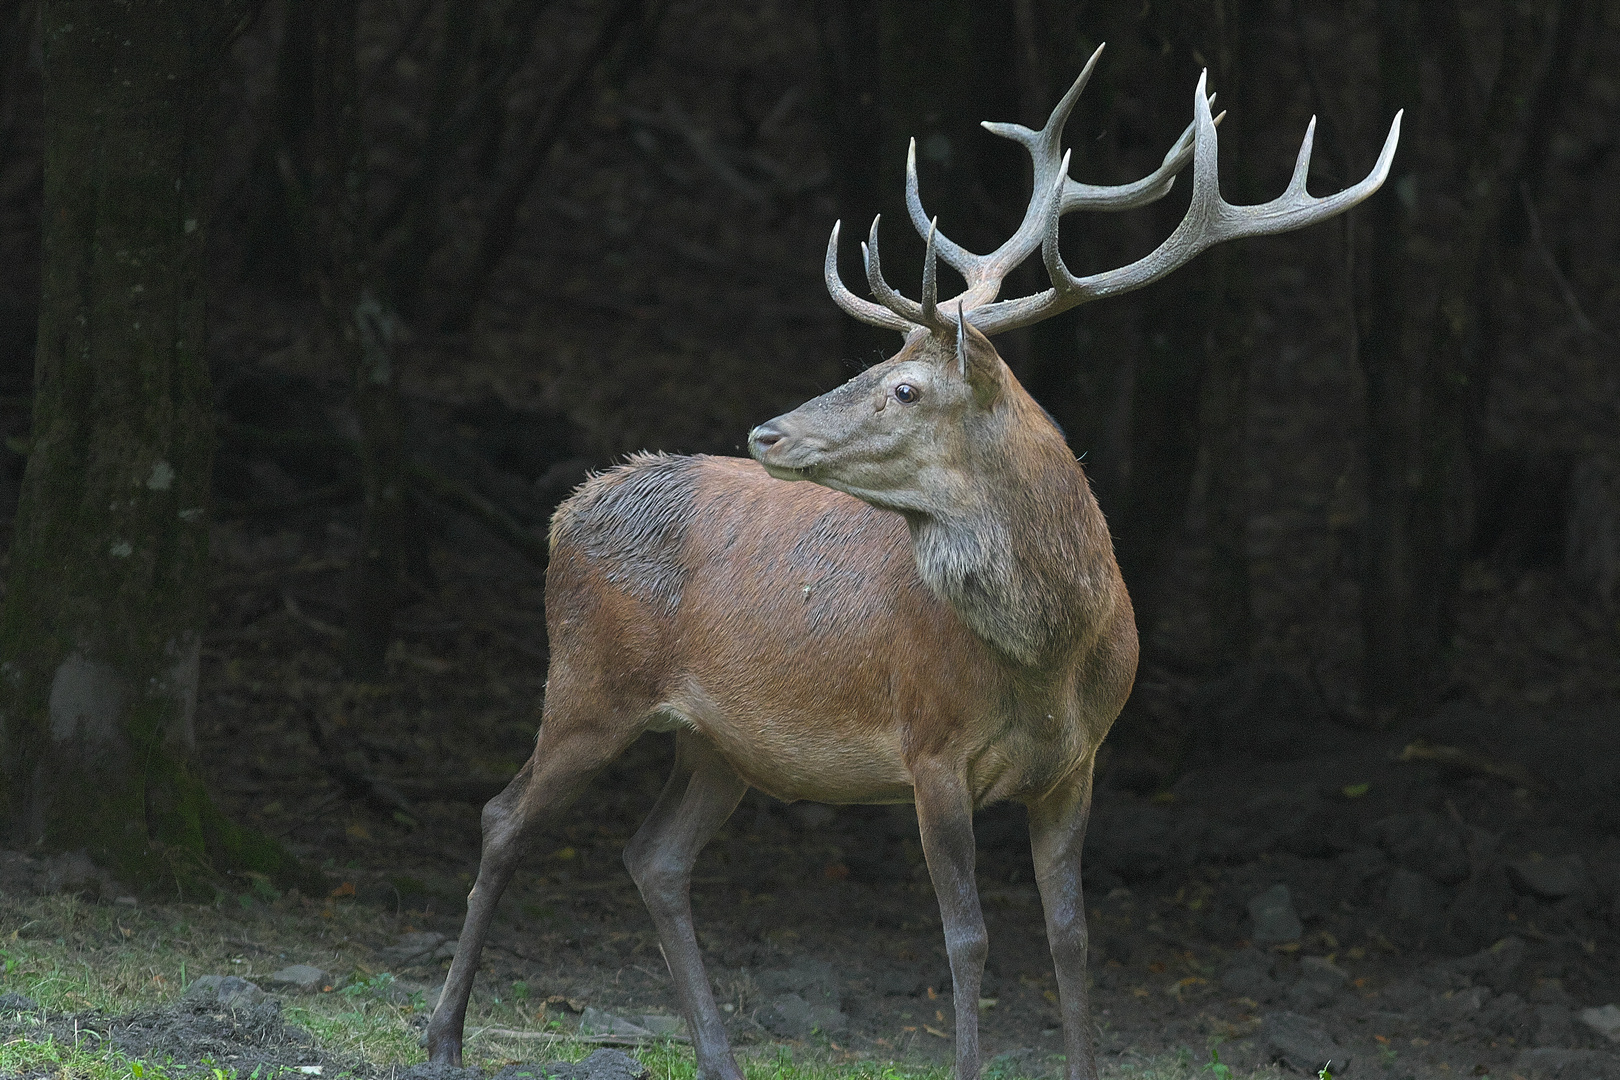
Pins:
<point x="905" y="393"/>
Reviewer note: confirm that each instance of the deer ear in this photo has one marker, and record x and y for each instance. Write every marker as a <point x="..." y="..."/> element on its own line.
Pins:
<point x="977" y="360"/>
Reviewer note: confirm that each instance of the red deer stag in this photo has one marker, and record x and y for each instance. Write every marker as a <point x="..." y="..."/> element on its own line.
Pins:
<point x="937" y="618"/>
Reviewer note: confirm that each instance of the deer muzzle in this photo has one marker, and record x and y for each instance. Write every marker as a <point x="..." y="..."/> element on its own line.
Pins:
<point x="784" y="451"/>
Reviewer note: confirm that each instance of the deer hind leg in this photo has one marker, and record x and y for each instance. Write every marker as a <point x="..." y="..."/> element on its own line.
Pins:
<point x="567" y="754"/>
<point x="945" y="816"/>
<point x="1057" y="832"/>
<point x="701" y="794"/>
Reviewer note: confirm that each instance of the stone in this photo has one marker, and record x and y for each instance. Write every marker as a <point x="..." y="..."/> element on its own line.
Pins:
<point x="1551" y="992"/>
<point x="1414" y="898"/>
<point x="1496" y="965"/>
<point x="74" y="872"/>
<point x="1555" y="1024"/>
<point x="1362" y="864"/>
<point x="806" y="999"/>
<point x="1308" y="996"/>
<point x="1404" y="995"/>
<point x="792" y="1017"/>
<point x="420" y="947"/>
<point x="1301" y="1043"/>
<point x="1251" y="982"/>
<point x="1604" y="1019"/>
<point x="804" y="974"/>
<point x="1459" y="1005"/>
<point x="1550" y="879"/>
<point x="594" y="1021"/>
<point x="1321" y="969"/>
<point x="1509" y="1015"/>
<point x="1319" y="982"/>
<point x="227" y="990"/>
<point x="663" y="1026"/>
<point x="1424" y="841"/>
<point x="1559" y="1063"/>
<point x="300" y="978"/>
<point x="1275" y="920"/>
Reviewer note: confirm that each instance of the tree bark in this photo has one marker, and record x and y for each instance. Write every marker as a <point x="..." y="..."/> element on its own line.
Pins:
<point x="103" y="617"/>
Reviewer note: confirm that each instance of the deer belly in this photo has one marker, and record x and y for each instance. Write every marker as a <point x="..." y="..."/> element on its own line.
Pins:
<point x="792" y="753"/>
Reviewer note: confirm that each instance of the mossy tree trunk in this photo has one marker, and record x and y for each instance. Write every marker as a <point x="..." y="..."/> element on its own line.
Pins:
<point x="104" y="610"/>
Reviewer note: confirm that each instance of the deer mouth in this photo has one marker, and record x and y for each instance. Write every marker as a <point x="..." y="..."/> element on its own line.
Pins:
<point x="789" y="472"/>
<point x="782" y="451"/>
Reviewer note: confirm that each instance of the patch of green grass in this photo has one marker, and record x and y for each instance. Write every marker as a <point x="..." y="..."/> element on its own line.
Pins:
<point x="95" y="1062"/>
<point x="73" y="957"/>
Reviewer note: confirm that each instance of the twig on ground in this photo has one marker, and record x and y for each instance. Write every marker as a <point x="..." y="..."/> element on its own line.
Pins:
<point x="1457" y="758"/>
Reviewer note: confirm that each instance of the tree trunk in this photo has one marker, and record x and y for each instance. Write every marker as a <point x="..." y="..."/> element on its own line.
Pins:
<point x="104" y="611"/>
<point x="1423" y="371"/>
<point x="328" y="183"/>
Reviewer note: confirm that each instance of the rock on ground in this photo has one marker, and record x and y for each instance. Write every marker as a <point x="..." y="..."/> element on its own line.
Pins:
<point x="303" y="978"/>
<point x="1604" y="1020"/>
<point x="1550" y="879"/>
<point x="227" y="990"/>
<point x="1275" y="920"/>
<point x="1301" y="1043"/>
<point x="805" y="1000"/>
<point x="1557" y="1063"/>
<point x="18" y="1003"/>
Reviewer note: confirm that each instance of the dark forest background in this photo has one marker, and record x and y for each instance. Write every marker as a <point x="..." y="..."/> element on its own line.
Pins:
<point x="459" y="253"/>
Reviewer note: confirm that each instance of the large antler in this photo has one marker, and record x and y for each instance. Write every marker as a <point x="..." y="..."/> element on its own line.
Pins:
<point x="1209" y="220"/>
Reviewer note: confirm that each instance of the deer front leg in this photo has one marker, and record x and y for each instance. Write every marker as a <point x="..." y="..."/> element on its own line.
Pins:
<point x="701" y="794"/>
<point x="945" y="816"/>
<point x="1057" y="831"/>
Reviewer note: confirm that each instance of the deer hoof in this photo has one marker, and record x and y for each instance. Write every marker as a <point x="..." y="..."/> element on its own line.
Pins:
<point x="444" y="1051"/>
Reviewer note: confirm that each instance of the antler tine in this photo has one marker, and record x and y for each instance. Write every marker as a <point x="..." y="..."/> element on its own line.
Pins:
<point x="903" y="306"/>
<point x="864" y="310"/>
<point x="1151" y="188"/>
<point x="1209" y="221"/>
<point x="930" y="288"/>
<point x="1302" y="164"/>
<point x="984" y="273"/>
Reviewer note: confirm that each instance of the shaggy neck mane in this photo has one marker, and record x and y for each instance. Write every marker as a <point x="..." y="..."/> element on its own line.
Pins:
<point x="1027" y="565"/>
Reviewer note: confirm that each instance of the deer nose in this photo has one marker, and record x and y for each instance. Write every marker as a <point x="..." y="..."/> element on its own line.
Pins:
<point x="762" y="438"/>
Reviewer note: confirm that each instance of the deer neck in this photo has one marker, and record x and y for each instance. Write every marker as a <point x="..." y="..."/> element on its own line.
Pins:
<point x="1023" y="555"/>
